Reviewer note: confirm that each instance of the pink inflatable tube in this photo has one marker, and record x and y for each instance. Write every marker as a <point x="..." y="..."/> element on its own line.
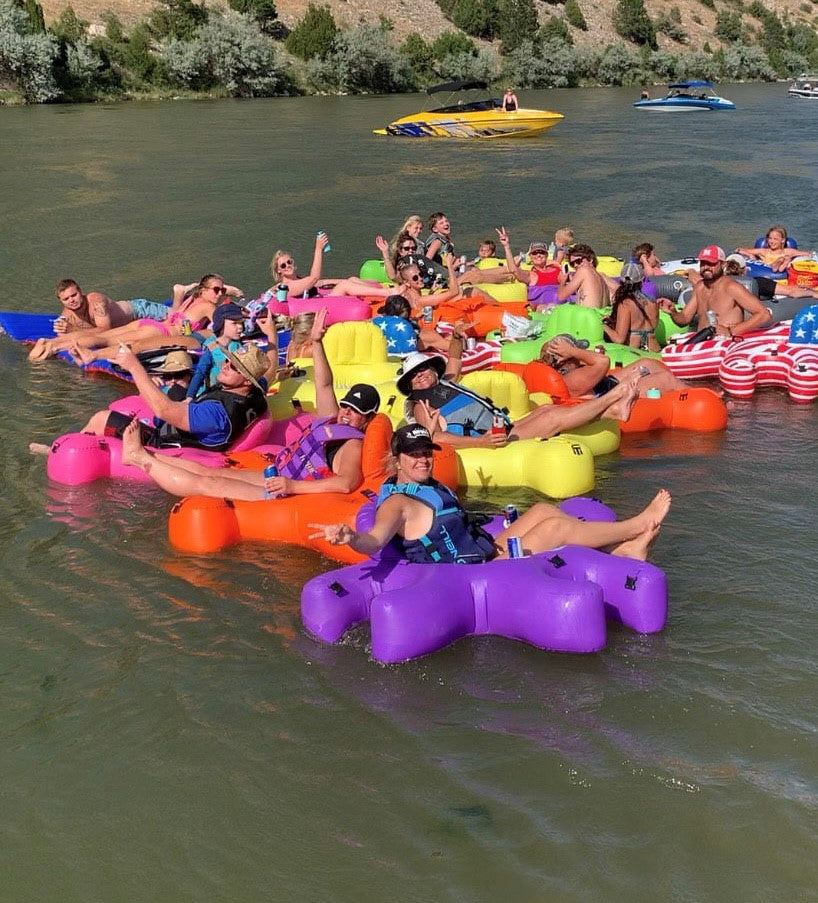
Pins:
<point x="557" y="600"/>
<point x="78" y="458"/>
<point x="341" y="308"/>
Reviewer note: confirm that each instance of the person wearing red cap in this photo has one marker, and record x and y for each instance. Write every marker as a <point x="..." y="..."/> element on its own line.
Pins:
<point x="736" y="309"/>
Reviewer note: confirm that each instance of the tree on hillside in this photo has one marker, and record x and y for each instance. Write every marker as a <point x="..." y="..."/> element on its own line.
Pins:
<point x="26" y="55"/>
<point x="177" y="19"/>
<point x="573" y="15"/>
<point x="516" y="22"/>
<point x="418" y="53"/>
<point x="35" y="15"/>
<point x="68" y="27"/>
<point x="478" y="18"/>
<point x="632" y="22"/>
<point x="262" y="12"/>
<point x="314" y="35"/>
<point x="728" y="26"/>
<point x="449" y="43"/>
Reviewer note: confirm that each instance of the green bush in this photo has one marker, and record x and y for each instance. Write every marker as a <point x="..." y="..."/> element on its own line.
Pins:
<point x="262" y="12"/>
<point x="631" y="21"/>
<point x="619" y="65"/>
<point x="420" y="57"/>
<point x="573" y="15"/>
<point x="555" y="31"/>
<point x="667" y="24"/>
<point x="314" y="35"/>
<point x="138" y="58"/>
<point x="361" y="62"/>
<point x="728" y="26"/>
<point x="68" y="27"/>
<point x="516" y="22"/>
<point x="26" y="55"/>
<point x="177" y="19"/>
<point x="452" y="42"/>
<point x="477" y="18"/>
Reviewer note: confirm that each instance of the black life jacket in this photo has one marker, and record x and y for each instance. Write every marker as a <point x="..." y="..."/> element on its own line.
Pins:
<point x="241" y="411"/>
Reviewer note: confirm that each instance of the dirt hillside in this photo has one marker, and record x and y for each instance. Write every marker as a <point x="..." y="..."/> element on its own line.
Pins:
<point x="425" y="17"/>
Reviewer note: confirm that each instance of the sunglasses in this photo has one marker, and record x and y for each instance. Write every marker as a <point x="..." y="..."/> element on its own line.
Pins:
<point x="285" y="263"/>
<point x="409" y="247"/>
<point x="537" y="253"/>
<point x="415" y="278"/>
<point x="576" y="261"/>
<point x="218" y="289"/>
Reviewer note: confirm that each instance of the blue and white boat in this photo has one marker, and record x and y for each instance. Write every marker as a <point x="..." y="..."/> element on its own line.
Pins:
<point x="692" y="95"/>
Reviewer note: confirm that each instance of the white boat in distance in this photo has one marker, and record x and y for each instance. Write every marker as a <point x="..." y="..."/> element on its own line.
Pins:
<point x="804" y="86"/>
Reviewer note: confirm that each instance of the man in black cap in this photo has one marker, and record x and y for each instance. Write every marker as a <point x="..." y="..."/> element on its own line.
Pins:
<point x="326" y="457"/>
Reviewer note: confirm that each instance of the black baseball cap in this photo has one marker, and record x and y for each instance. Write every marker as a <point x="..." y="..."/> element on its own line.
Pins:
<point x="412" y="437"/>
<point x="362" y="398"/>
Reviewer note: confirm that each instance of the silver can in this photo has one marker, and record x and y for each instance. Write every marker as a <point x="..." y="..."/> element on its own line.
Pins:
<point x="471" y="343"/>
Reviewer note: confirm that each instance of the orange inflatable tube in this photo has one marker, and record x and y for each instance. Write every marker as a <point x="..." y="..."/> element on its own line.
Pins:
<point x="200" y="524"/>
<point x="699" y="409"/>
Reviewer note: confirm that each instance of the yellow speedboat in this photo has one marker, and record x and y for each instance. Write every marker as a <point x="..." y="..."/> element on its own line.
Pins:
<point x="472" y="119"/>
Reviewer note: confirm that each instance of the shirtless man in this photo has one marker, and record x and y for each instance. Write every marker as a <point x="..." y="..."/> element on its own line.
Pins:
<point x="728" y="299"/>
<point x="590" y="286"/>
<point x="92" y="313"/>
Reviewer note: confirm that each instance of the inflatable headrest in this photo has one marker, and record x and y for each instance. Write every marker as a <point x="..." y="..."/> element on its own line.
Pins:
<point x="669" y="286"/>
<point x="355" y="342"/>
<point x="256" y="434"/>
<point x="580" y="322"/>
<point x="375" y="450"/>
<point x="506" y="390"/>
<point x="761" y="242"/>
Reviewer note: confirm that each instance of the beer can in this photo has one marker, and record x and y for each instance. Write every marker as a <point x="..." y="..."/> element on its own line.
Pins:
<point x="471" y="343"/>
<point x="510" y="515"/>
<point x="515" y="547"/>
<point x="427" y="313"/>
<point x="712" y="318"/>
<point x="281" y="291"/>
<point x="270" y="471"/>
<point x="498" y="424"/>
<point x="187" y="328"/>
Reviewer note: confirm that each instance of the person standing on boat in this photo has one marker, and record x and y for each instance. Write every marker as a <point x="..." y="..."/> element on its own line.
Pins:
<point x="510" y="103"/>
<point x="729" y="300"/>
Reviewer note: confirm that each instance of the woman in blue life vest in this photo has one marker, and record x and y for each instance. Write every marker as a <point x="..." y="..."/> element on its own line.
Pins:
<point x="430" y="526"/>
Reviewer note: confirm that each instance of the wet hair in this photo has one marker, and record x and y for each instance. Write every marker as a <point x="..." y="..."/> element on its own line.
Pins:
<point x="584" y="251"/>
<point x="779" y="229"/>
<point x="645" y="249"/>
<point x="396" y="306"/>
<point x="63" y="284"/>
<point x="434" y="219"/>
<point x="626" y="289"/>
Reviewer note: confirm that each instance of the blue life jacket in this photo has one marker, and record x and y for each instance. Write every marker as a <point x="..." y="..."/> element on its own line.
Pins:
<point x="466" y="413"/>
<point x="306" y="458"/>
<point x="453" y="538"/>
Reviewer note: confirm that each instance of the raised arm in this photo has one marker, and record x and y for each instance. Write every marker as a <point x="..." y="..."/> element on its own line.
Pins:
<point x="326" y="404"/>
<point x="383" y="246"/>
<point x="519" y="274"/>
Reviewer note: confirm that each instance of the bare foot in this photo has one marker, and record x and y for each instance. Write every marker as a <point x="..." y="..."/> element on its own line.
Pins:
<point x="83" y="355"/>
<point x="133" y="451"/>
<point x="40" y="351"/>
<point x="639" y="547"/>
<point x="37" y="448"/>
<point x="622" y="407"/>
<point x="655" y="511"/>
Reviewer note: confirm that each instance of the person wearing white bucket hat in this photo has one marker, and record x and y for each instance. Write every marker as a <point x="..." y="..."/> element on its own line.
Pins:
<point x="464" y="419"/>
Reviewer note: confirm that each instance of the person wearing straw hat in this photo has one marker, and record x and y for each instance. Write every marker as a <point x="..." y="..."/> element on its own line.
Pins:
<point x="174" y="375"/>
<point x="211" y="422"/>
<point x="326" y="457"/>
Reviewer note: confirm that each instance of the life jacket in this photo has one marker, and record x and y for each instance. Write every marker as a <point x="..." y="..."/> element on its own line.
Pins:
<point x="306" y="458"/>
<point x="466" y="413"/>
<point x="401" y="336"/>
<point x="241" y="411"/>
<point x="454" y="537"/>
<point x="446" y="246"/>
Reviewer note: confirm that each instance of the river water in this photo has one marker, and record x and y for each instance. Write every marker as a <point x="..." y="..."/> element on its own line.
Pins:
<point x="169" y="732"/>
